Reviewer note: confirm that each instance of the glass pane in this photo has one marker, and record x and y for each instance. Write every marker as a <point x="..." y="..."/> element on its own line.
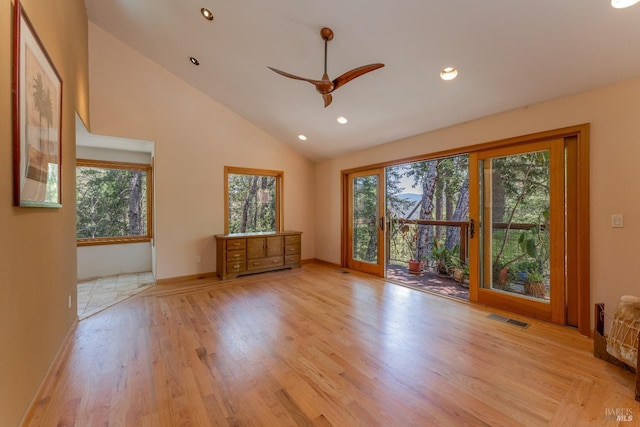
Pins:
<point x="365" y="219"/>
<point x="252" y="203"/>
<point x="110" y="202"/>
<point x="515" y="216"/>
<point x="427" y="206"/>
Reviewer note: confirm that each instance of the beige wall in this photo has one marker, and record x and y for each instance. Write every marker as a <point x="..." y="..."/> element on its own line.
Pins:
<point x="37" y="246"/>
<point x="195" y="137"/>
<point x="615" y="151"/>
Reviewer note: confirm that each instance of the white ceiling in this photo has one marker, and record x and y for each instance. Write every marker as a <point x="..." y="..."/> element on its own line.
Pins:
<point x="510" y="54"/>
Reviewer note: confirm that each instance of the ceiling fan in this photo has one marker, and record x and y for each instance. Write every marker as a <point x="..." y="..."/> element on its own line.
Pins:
<point x="326" y="86"/>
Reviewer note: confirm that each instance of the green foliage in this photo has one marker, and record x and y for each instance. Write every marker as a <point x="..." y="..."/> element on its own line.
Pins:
<point x="365" y="217"/>
<point x="528" y="245"/>
<point x="521" y="196"/>
<point x="445" y="258"/>
<point x="534" y="277"/>
<point x="526" y="265"/>
<point x="103" y="202"/>
<point x="252" y="203"/>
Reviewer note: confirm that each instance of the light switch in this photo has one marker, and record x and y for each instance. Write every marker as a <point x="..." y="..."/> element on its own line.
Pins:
<point x="617" y="221"/>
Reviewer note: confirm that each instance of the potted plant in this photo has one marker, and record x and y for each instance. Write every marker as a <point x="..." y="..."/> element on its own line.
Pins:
<point x="457" y="268"/>
<point x="523" y="268"/>
<point x="465" y="276"/>
<point x="500" y="275"/>
<point x="443" y="257"/>
<point x="534" y="284"/>
<point x="410" y="237"/>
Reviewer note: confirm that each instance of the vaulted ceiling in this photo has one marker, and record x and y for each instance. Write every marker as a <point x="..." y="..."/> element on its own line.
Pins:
<point x="509" y="53"/>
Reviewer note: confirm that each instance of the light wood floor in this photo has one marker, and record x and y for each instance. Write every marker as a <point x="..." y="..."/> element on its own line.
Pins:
<point x="316" y="347"/>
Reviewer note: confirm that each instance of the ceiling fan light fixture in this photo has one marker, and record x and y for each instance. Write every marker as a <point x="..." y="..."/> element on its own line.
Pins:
<point x="342" y="120"/>
<point x="208" y="15"/>
<point x="302" y="137"/>
<point x="194" y="61"/>
<point x="621" y="4"/>
<point x="450" y="73"/>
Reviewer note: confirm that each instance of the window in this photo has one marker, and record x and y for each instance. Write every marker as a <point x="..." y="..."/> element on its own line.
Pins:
<point x="113" y="202"/>
<point x="253" y="200"/>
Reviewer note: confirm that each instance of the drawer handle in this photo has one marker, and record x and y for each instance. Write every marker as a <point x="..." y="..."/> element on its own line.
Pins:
<point x="236" y="244"/>
<point x="236" y="255"/>
<point x="256" y="263"/>
<point x="275" y="261"/>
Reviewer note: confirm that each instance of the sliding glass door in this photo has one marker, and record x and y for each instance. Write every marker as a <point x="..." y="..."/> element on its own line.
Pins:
<point x="520" y="246"/>
<point x="366" y="221"/>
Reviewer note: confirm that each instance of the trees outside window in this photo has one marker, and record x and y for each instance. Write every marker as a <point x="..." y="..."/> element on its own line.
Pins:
<point x="432" y="190"/>
<point x="253" y="200"/>
<point x="113" y="202"/>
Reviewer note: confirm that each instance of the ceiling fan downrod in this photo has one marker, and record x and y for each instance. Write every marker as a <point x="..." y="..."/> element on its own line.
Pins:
<point x="326" y="34"/>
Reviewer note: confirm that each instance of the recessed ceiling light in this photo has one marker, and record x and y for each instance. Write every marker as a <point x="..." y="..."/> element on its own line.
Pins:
<point x="621" y="4"/>
<point x="208" y="15"/>
<point x="450" y="73"/>
<point x="342" y="120"/>
<point x="302" y="137"/>
<point x="194" y="61"/>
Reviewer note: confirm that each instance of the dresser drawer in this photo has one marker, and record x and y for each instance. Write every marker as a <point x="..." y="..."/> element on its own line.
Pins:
<point x="238" y="255"/>
<point x="236" y="267"/>
<point x="292" y="240"/>
<point x="292" y="259"/>
<point x="292" y="249"/>
<point x="258" y="264"/>
<point x="233" y="244"/>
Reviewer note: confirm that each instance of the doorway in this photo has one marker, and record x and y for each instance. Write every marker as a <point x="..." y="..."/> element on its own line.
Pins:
<point x="113" y="269"/>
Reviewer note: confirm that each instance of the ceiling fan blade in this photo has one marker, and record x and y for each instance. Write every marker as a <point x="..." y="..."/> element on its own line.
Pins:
<point x="356" y="72"/>
<point x="291" y="76"/>
<point x="327" y="99"/>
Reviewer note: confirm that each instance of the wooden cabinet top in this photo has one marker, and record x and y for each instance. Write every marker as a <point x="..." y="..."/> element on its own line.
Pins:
<point x="258" y="234"/>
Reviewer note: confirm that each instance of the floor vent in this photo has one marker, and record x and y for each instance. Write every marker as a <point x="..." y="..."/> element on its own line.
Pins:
<point x="503" y="319"/>
<point x="343" y="271"/>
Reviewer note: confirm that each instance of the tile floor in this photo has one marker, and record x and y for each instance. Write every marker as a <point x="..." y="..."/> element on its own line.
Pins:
<point x="95" y="295"/>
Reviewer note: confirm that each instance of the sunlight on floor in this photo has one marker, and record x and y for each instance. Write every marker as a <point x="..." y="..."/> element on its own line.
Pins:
<point x="95" y="295"/>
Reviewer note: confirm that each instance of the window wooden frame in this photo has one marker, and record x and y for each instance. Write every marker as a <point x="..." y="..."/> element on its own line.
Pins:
<point x="278" y="175"/>
<point x="147" y="168"/>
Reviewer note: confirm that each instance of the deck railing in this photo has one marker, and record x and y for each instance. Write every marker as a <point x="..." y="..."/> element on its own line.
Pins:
<point x="463" y="226"/>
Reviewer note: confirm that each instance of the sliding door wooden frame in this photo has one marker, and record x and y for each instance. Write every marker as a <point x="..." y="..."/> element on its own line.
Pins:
<point x="365" y="267"/>
<point x="555" y="310"/>
<point x="578" y="180"/>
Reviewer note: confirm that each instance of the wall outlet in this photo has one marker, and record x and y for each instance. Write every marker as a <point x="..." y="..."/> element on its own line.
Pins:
<point x="617" y="221"/>
<point x="198" y="258"/>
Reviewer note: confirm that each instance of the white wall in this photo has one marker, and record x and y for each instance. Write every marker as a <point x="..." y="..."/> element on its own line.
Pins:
<point x="195" y="137"/>
<point x="108" y="260"/>
<point x="613" y="113"/>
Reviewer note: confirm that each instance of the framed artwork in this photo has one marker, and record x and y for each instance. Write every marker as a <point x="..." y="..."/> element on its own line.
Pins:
<point x="37" y="119"/>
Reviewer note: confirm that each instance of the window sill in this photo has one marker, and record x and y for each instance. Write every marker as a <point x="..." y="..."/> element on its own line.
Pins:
<point x="113" y="240"/>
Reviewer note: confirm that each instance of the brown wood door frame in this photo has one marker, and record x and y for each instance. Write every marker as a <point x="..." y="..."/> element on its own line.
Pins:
<point x="377" y="269"/>
<point x="575" y="294"/>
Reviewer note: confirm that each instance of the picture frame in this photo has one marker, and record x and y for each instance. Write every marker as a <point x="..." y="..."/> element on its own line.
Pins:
<point x="37" y="119"/>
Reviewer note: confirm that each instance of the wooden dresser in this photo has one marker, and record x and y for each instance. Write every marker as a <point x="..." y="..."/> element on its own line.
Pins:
<point x="248" y="253"/>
